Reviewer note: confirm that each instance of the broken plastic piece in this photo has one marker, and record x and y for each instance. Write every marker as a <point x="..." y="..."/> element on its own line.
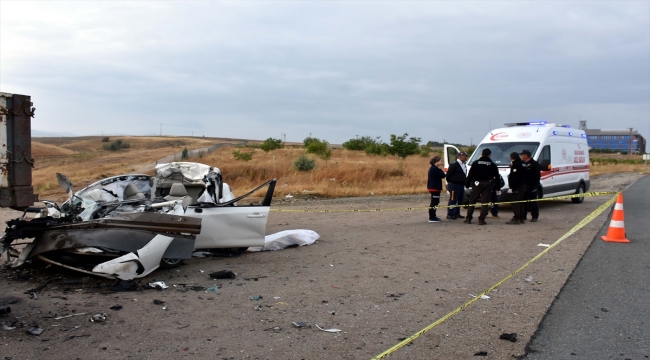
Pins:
<point x="212" y="289"/>
<point x="299" y="324"/>
<point x="100" y="317"/>
<point x="543" y="245"/>
<point x="158" y="285"/>
<point x="257" y="297"/>
<point x="511" y="337"/>
<point x="132" y="265"/>
<point x="223" y="274"/>
<point x="484" y="297"/>
<point x="35" y="330"/>
<point x="328" y="330"/>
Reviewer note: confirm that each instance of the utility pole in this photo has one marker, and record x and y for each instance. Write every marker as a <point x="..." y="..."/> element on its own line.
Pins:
<point x="283" y="137"/>
<point x="310" y="135"/>
<point x="357" y="136"/>
<point x="160" y="129"/>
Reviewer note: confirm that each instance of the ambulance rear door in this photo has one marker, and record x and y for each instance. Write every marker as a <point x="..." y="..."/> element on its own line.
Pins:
<point x="450" y="155"/>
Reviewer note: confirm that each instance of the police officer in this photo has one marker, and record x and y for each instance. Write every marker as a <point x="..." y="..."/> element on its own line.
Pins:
<point x="480" y="179"/>
<point x="533" y="171"/>
<point x="517" y="184"/>
<point x="456" y="178"/>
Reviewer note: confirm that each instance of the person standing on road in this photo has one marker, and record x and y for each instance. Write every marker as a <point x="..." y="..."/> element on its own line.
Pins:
<point x="533" y="175"/>
<point x="517" y="184"/>
<point x="456" y="178"/>
<point x="434" y="185"/>
<point x="480" y="179"/>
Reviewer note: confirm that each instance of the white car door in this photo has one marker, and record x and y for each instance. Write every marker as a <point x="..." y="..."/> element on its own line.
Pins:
<point x="230" y="226"/>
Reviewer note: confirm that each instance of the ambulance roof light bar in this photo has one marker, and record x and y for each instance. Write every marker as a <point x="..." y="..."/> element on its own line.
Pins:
<point x="529" y="123"/>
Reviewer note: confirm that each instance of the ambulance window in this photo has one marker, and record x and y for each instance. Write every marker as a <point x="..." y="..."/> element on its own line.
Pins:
<point x="545" y="154"/>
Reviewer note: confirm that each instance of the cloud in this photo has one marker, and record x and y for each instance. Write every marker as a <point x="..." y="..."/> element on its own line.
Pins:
<point x="437" y="70"/>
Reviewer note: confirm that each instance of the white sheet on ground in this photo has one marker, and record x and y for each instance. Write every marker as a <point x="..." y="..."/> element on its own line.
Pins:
<point x="286" y="238"/>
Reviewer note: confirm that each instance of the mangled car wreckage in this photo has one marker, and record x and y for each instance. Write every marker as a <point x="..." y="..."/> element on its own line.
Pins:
<point x="127" y="226"/>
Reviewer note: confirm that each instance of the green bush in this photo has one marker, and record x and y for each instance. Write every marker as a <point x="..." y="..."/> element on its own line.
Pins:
<point x="425" y="151"/>
<point x="360" y="144"/>
<point x="378" y="148"/>
<point x="271" y="144"/>
<point x="116" y="145"/>
<point x="318" y="148"/>
<point x="106" y="139"/>
<point x="304" y="163"/>
<point x="185" y="154"/>
<point x="240" y="156"/>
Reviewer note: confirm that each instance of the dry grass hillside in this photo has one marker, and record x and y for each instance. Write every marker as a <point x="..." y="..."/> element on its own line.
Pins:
<point x="347" y="173"/>
<point x="84" y="161"/>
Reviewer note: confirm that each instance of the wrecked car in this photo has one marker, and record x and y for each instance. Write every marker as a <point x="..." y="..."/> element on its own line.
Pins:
<point x="126" y="226"/>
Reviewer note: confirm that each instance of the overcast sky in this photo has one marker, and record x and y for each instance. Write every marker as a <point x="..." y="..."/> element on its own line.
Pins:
<point x="439" y="70"/>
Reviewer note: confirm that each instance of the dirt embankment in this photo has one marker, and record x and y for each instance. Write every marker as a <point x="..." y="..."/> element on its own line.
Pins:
<point x="379" y="277"/>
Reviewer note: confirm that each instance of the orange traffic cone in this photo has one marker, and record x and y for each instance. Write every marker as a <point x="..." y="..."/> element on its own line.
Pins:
<point x="616" y="232"/>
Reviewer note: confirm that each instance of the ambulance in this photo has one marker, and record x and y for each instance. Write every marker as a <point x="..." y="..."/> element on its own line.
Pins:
<point x="561" y="151"/>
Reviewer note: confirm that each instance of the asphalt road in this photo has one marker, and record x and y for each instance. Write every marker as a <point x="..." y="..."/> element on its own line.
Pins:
<point x="603" y="311"/>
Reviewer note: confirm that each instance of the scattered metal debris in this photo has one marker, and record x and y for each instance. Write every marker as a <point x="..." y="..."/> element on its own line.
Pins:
<point x="223" y="274"/>
<point x="328" y="330"/>
<point x="99" y="317"/>
<point x="35" y="330"/>
<point x="75" y="336"/>
<point x="299" y="324"/>
<point x="484" y="297"/>
<point x="158" y="285"/>
<point x="5" y="310"/>
<point x="67" y="316"/>
<point x="257" y="297"/>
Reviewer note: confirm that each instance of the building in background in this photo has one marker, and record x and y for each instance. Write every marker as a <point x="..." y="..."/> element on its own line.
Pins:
<point x="625" y="140"/>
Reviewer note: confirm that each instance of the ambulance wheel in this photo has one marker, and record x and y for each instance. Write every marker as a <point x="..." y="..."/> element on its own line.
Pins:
<point x="581" y="190"/>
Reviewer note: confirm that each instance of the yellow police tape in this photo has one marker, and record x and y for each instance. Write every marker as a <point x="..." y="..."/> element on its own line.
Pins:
<point x="581" y="224"/>
<point x="589" y="194"/>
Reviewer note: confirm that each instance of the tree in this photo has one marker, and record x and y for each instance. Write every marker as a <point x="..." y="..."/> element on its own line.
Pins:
<point x="377" y="148"/>
<point x="318" y="148"/>
<point x="271" y="144"/>
<point x="309" y="140"/>
<point x="401" y="147"/>
<point x="360" y="143"/>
